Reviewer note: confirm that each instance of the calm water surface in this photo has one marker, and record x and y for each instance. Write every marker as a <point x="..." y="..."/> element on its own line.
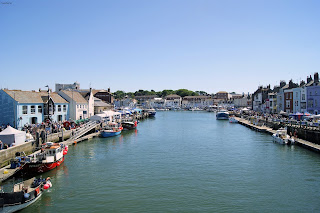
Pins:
<point x="184" y="162"/>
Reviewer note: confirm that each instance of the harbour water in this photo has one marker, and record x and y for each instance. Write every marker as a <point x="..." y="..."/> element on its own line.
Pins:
<point x="184" y="162"/>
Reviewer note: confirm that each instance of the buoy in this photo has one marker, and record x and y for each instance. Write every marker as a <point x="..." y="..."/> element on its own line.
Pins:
<point x="46" y="186"/>
<point x="5" y="171"/>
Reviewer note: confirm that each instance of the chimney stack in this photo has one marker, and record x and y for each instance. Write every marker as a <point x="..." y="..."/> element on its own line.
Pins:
<point x="282" y="83"/>
<point x="316" y="78"/>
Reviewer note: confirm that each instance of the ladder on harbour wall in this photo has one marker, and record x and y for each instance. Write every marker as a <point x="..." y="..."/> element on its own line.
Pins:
<point x="82" y="131"/>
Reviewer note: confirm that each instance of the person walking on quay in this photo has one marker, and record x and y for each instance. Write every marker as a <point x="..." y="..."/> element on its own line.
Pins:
<point x="1" y="145"/>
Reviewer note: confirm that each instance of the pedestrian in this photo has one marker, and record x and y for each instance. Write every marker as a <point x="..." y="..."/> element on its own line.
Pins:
<point x="1" y="145"/>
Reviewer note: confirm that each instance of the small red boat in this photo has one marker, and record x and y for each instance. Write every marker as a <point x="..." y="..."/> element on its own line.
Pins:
<point x="49" y="157"/>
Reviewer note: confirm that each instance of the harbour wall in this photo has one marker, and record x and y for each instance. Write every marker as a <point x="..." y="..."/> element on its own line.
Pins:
<point x="28" y="147"/>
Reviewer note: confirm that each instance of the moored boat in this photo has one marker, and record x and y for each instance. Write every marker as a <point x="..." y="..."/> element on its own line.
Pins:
<point x="282" y="137"/>
<point x="128" y="125"/>
<point x="113" y="129"/>
<point x="152" y="112"/>
<point x="222" y="115"/>
<point x="233" y="120"/>
<point x="23" y="195"/>
<point x="49" y="157"/>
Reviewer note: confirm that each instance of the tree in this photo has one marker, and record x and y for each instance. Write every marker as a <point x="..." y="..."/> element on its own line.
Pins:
<point x="119" y="94"/>
<point x="185" y="92"/>
<point x="166" y="92"/>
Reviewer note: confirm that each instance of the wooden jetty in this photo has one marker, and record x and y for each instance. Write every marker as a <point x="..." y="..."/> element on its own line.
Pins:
<point x="298" y="141"/>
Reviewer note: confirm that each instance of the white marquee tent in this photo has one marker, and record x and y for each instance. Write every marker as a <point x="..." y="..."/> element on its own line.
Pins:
<point x="12" y="136"/>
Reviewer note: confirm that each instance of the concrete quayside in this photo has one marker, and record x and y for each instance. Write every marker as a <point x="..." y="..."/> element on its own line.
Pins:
<point x="300" y="142"/>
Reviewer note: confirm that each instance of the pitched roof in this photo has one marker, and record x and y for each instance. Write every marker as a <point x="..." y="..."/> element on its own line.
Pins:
<point x="34" y="97"/>
<point x="100" y="103"/>
<point x="173" y="96"/>
<point x="222" y="92"/>
<point x="198" y="96"/>
<point x="310" y="83"/>
<point x="76" y="96"/>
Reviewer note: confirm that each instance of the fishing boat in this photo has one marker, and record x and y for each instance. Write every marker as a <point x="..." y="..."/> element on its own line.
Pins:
<point x="282" y="137"/>
<point x="222" y="115"/>
<point x="113" y="129"/>
<point x="49" y="157"/>
<point x="233" y="120"/>
<point x="23" y="195"/>
<point x="128" y="125"/>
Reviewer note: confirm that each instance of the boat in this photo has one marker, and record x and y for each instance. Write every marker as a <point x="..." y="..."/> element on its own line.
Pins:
<point x="113" y="129"/>
<point x="23" y="195"/>
<point x="50" y="156"/>
<point x="233" y="120"/>
<point x="212" y="108"/>
<point x="128" y="125"/>
<point x="195" y="109"/>
<point x="151" y="112"/>
<point x="222" y="115"/>
<point x="282" y="137"/>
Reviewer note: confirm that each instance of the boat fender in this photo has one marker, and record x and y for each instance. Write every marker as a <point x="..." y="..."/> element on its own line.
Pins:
<point x="26" y="195"/>
<point x="46" y="186"/>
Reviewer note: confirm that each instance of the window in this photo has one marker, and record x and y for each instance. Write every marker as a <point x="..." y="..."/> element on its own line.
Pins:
<point x="39" y="109"/>
<point x="33" y="109"/>
<point x="59" y="108"/>
<point x="24" y="110"/>
<point x="296" y="95"/>
<point x="64" y="108"/>
<point x="310" y="103"/>
<point x="303" y="97"/>
<point x="290" y="95"/>
<point x="310" y="93"/>
<point x="315" y="103"/>
<point x="287" y="104"/>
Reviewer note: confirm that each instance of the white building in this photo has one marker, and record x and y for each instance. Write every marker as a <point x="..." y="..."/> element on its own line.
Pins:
<point x="173" y="101"/>
<point x="242" y="102"/>
<point x="79" y="108"/>
<point x="75" y="86"/>
<point x="196" y="101"/>
<point x="157" y="103"/>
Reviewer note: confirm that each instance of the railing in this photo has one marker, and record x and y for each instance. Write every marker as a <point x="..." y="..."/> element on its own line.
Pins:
<point x="84" y="129"/>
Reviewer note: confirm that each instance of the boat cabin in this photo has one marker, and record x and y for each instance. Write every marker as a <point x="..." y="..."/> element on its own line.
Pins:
<point x="49" y="153"/>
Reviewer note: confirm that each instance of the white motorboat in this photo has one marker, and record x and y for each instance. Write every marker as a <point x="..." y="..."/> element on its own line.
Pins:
<point x="233" y="120"/>
<point x="282" y="137"/>
<point x="222" y="115"/>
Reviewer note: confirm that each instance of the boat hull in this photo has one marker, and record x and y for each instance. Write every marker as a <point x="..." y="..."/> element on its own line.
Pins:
<point x="15" y="208"/>
<point x="222" y="116"/>
<point x="105" y="134"/>
<point x="285" y="141"/>
<point x="41" y="167"/>
<point x="152" y="114"/>
<point x="129" y="126"/>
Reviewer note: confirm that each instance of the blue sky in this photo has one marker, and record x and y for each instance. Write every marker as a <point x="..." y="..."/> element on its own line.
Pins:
<point x="210" y="45"/>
